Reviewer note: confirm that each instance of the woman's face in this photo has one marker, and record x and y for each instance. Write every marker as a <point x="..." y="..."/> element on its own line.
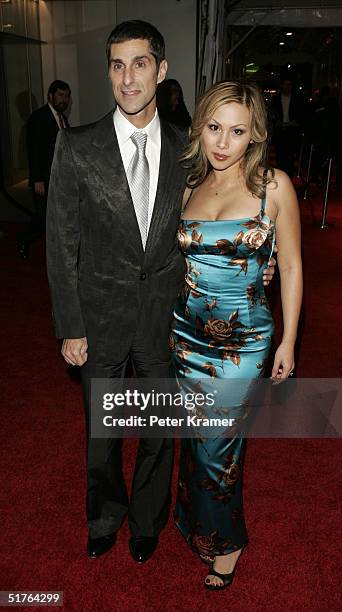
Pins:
<point x="226" y="136"/>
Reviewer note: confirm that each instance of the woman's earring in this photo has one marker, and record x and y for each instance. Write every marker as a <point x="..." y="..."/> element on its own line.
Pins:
<point x="251" y="141"/>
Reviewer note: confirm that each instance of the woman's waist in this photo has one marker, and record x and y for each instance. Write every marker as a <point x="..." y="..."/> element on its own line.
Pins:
<point x="227" y="286"/>
<point x="218" y="333"/>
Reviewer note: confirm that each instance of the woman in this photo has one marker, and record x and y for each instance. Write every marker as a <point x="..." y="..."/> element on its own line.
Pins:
<point x="171" y="105"/>
<point x="222" y="324"/>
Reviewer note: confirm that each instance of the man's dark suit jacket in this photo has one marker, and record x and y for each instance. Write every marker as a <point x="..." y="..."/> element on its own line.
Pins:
<point x="295" y="109"/>
<point x="42" y="130"/>
<point x="103" y="284"/>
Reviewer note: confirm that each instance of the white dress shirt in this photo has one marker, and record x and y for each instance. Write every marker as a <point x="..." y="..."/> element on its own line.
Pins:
<point x="124" y="130"/>
<point x="56" y="116"/>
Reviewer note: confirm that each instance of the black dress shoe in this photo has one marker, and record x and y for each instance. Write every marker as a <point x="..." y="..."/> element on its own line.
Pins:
<point x="142" y="548"/>
<point x="99" y="546"/>
<point x="23" y="249"/>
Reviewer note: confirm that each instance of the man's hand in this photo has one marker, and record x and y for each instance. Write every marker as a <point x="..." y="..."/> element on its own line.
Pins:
<point x="270" y="270"/>
<point x="39" y="188"/>
<point x="74" y="351"/>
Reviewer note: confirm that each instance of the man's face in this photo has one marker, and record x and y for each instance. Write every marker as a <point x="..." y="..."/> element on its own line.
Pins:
<point x="60" y="100"/>
<point x="134" y="76"/>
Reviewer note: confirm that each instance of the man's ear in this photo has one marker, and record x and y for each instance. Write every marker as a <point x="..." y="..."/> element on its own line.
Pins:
<point x="162" y="71"/>
<point x="50" y="98"/>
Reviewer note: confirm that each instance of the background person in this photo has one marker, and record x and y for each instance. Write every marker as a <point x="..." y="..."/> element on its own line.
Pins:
<point x="287" y="112"/>
<point x="171" y="105"/>
<point x="324" y="130"/>
<point x="43" y="126"/>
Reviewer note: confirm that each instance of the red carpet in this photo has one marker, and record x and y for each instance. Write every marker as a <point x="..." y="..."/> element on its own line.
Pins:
<point x="292" y="496"/>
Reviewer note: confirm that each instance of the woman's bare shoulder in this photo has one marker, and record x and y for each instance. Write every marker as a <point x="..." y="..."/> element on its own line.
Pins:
<point x="282" y="179"/>
<point x="278" y="181"/>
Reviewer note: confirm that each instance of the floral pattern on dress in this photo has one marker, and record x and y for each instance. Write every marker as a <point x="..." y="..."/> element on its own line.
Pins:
<point x="222" y="329"/>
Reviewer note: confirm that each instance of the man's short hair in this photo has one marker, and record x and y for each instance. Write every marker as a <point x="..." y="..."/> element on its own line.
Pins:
<point x="141" y="30"/>
<point x="58" y="85"/>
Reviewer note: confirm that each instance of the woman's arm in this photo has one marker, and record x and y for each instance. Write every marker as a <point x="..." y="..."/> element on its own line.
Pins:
<point x="290" y="269"/>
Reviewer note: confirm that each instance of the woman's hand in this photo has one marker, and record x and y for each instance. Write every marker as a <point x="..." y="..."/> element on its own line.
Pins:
<point x="283" y="362"/>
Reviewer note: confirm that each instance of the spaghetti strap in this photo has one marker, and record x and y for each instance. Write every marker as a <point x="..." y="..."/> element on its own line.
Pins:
<point x="186" y="203"/>
<point x="264" y="185"/>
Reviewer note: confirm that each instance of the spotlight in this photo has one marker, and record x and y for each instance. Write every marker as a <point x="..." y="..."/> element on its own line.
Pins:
<point x="289" y="33"/>
<point x="282" y="43"/>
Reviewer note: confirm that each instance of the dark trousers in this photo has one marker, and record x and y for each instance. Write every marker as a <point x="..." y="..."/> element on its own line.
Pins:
<point x="107" y="498"/>
<point x="37" y="224"/>
<point x="286" y="142"/>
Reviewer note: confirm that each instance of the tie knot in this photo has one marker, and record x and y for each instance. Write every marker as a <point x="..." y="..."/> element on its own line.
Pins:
<point x="139" y="139"/>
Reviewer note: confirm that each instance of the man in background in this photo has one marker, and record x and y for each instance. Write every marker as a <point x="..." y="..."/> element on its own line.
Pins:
<point x="287" y="118"/>
<point x="42" y="128"/>
<point x="324" y="133"/>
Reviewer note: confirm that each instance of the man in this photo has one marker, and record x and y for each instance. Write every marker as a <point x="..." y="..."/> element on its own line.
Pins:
<point x="324" y="132"/>
<point x="42" y="129"/>
<point x="115" y="270"/>
<point x="287" y="117"/>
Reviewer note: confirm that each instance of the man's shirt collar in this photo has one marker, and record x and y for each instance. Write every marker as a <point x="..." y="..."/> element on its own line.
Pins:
<point x="125" y="129"/>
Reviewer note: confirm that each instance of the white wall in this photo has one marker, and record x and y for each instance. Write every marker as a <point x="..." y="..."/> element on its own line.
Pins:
<point x="176" y="20"/>
<point x="76" y="33"/>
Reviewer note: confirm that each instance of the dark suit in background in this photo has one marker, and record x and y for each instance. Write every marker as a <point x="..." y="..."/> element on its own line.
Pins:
<point x="324" y="133"/>
<point x="286" y="130"/>
<point x="42" y="130"/>
<point x="106" y="287"/>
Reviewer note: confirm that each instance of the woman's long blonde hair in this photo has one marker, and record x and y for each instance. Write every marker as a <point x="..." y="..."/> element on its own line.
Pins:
<point x="223" y="93"/>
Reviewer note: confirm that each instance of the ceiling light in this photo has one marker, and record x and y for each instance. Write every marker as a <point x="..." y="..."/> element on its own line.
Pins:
<point x="289" y="33"/>
<point x="282" y="43"/>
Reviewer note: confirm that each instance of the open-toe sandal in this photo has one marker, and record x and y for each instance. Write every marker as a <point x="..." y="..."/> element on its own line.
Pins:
<point x="227" y="580"/>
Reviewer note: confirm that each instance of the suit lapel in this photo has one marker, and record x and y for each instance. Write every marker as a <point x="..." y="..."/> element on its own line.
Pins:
<point x="50" y="120"/>
<point x="105" y="158"/>
<point x="170" y="185"/>
<point x="106" y="161"/>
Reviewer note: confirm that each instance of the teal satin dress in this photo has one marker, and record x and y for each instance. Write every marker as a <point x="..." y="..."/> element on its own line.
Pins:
<point x="222" y="329"/>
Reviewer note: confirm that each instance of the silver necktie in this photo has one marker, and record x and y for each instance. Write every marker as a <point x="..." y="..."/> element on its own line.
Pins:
<point x="138" y="176"/>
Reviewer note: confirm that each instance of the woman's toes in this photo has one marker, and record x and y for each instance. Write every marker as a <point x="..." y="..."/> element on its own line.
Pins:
<point x="213" y="580"/>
